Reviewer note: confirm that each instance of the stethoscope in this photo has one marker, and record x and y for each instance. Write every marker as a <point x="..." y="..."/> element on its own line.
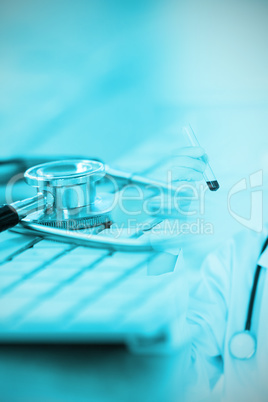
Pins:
<point x="243" y="344"/>
<point x="68" y="200"/>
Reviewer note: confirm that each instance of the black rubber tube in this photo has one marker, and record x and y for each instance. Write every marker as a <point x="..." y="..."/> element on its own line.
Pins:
<point x="8" y="217"/>
<point x="254" y="291"/>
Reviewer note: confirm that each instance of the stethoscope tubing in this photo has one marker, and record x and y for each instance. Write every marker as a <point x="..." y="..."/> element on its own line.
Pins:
<point x="243" y="344"/>
<point x="89" y="240"/>
<point x="11" y="215"/>
<point x="254" y="292"/>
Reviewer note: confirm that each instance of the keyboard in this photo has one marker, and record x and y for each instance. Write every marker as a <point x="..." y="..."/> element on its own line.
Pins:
<point x="52" y="291"/>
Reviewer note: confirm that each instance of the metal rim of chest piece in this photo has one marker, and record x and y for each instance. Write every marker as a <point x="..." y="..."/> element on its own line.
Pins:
<point x="72" y="185"/>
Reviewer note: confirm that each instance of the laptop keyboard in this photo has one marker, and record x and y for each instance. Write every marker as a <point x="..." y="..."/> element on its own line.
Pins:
<point x="50" y="289"/>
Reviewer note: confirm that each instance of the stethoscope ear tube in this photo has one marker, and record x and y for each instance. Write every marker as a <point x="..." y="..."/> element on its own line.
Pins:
<point x="8" y="217"/>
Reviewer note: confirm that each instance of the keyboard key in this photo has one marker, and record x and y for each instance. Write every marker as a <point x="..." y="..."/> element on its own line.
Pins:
<point x="95" y="320"/>
<point x="8" y="235"/>
<point x="76" y="260"/>
<point x="11" y="244"/>
<point x="70" y="292"/>
<point x="14" y="275"/>
<point x="140" y="272"/>
<point x="90" y="252"/>
<point x="30" y="289"/>
<point x="114" y="301"/>
<point x="43" y="244"/>
<point x="6" y="281"/>
<point x="53" y="275"/>
<point x="39" y="254"/>
<point x="13" y="268"/>
<point x="10" y="306"/>
<point x="96" y="279"/>
<point x="122" y="261"/>
<point x="48" y="312"/>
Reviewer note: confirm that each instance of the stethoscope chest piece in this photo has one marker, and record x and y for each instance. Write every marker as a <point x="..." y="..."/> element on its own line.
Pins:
<point x="242" y="345"/>
<point x="72" y="186"/>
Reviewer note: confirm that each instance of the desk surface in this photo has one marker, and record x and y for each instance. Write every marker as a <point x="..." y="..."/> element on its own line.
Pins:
<point x="89" y="373"/>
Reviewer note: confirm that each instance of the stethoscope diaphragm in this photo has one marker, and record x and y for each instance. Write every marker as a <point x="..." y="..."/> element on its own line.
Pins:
<point x="242" y="345"/>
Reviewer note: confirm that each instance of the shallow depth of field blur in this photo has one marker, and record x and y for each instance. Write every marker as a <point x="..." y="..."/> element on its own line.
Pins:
<point x="98" y="78"/>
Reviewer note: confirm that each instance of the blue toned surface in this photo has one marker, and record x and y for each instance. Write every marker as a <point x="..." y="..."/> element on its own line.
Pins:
<point x="77" y="78"/>
<point x="99" y="79"/>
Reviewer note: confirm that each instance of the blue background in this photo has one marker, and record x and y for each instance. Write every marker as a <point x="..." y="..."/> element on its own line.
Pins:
<point x="100" y="77"/>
